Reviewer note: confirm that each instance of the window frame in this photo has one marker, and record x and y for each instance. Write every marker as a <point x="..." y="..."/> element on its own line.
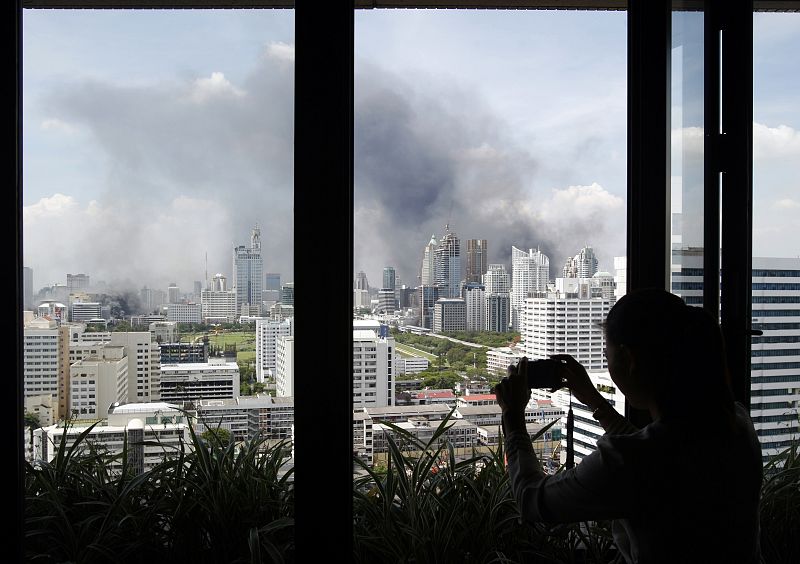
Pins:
<point x="324" y="165"/>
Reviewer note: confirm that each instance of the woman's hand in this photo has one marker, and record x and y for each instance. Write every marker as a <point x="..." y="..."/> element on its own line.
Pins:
<point x="512" y="392"/>
<point x="578" y="381"/>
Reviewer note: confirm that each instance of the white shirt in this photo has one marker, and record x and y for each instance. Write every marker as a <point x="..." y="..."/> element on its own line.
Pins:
<point x="676" y="492"/>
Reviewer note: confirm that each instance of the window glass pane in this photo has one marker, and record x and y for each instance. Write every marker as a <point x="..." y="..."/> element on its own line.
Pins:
<point x="157" y="155"/>
<point x="775" y="381"/>
<point x="687" y="156"/>
<point x="489" y="173"/>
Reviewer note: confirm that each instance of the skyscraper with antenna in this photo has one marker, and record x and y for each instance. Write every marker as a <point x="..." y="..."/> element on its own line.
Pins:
<point x="448" y="264"/>
<point x="248" y="275"/>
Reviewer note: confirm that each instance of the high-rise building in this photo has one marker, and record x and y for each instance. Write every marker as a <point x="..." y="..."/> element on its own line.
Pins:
<point x="582" y="265"/>
<point x="530" y="272"/>
<point x="142" y="352"/>
<point x="272" y="288"/>
<point x="450" y="315"/>
<point x="248" y="275"/>
<point x="386" y="300"/>
<point x="426" y="298"/>
<point x="373" y="377"/>
<point x="775" y="353"/>
<point x="284" y="366"/>
<point x="497" y="284"/>
<point x="146" y="299"/>
<point x="287" y="294"/>
<point x="361" y="282"/>
<point x="474" y="295"/>
<point x="98" y="381"/>
<point x="268" y="331"/>
<point x="218" y="305"/>
<point x="448" y="264"/>
<point x="389" y="277"/>
<point x="77" y="283"/>
<point x="565" y="323"/>
<point x="45" y="369"/>
<point x="198" y="287"/>
<point x="144" y="364"/>
<point x="427" y="276"/>
<point x="173" y="293"/>
<point x="477" y="259"/>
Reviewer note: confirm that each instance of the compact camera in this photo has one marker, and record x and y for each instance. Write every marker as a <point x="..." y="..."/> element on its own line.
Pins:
<point x="544" y="374"/>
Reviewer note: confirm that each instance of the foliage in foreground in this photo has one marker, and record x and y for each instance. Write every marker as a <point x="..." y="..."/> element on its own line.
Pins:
<point x="780" y="508"/>
<point x="432" y="508"/>
<point x="221" y="503"/>
<point x="215" y="503"/>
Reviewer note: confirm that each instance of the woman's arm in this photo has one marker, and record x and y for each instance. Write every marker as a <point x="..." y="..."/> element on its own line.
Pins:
<point x="591" y="490"/>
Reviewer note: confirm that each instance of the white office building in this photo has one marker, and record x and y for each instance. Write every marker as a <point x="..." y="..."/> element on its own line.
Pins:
<point x="449" y="315"/>
<point x="149" y="431"/>
<point x="498" y="360"/>
<point x="268" y="331"/>
<point x="84" y="311"/>
<point x="475" y="298"/>
<point x="98" y="381"/>
<point x="497" y="298"/>
<point x="565" y="324"/>
<point x="188" y="312"/>
<point x="373" y="375"/>
<point x="284" y="366"/>
<point x="530" y="271"/>
<point x="45" y="362"/>
<point x="144" y="364"/>
<point x="218" y="306"/>
<point x="194" y="381"/>
<point x="410" y="364"/>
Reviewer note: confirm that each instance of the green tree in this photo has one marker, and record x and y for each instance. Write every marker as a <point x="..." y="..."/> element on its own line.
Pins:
<point x="217" y="437"/>
<point x="245" y="389"/>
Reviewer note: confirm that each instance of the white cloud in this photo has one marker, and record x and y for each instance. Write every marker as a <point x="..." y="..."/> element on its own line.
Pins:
<point x="280" y="50"/>
<point x="787" y="203"/>
<point x="577" y="202"/>
<point x="775" y="142"/>
<point x="214" y="86"/>
<point x="55" y="124"/>
<point x="57" y="205"/>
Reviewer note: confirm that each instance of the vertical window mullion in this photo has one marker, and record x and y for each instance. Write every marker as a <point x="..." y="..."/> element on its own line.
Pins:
<point x="323" y="224"/>
<point x="737" y="191"/>
<point x="649" y="135"/>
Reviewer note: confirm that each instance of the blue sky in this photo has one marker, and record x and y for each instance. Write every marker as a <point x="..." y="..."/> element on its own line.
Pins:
<point x="153" y="139"/>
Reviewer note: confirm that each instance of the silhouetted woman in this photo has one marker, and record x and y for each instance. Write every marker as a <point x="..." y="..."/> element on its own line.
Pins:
<point x="686" y="487"/>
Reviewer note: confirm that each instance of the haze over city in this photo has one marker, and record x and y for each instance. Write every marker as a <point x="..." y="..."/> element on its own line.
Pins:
<point x="153" y="139"/>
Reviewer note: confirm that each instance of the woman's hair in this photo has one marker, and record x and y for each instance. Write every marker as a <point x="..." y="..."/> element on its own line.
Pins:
<point x="683" y="350"/>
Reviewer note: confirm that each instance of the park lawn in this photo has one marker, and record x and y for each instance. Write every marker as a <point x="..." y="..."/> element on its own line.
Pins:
<point x="245" y="356"/>
<point x="408" y="350"/>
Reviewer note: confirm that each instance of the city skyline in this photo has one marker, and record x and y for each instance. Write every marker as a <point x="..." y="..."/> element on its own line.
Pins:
<point x="510" y="127"/>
